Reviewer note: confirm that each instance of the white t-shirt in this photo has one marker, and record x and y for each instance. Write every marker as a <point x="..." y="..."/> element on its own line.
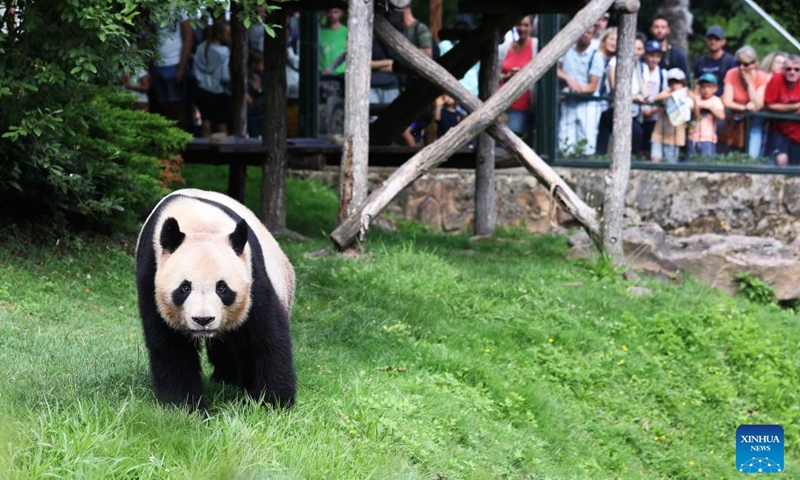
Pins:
<point x="656" y="82"/>
<point x="170" y="42"/>
<point x="636" y="84"/>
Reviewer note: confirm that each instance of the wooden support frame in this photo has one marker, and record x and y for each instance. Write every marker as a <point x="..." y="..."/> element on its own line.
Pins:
<point x="618" y="175"/>
<point x="402" y="112"/>
<point x="484" y="116"/>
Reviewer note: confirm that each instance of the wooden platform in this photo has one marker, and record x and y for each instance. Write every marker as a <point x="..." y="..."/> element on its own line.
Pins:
<point x="309" y="154"/>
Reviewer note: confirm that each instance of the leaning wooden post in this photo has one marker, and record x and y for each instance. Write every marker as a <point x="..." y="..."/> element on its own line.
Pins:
<point x="485" y="216"/>
<point x="357" y="224"/>
<point x="616" y="180"/>
<point x="355" y="151"/>
<point x="276" y="162"/>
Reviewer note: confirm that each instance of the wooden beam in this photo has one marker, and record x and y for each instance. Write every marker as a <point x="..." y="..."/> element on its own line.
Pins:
<point x="521" y="8"/>
<point x="488" y="79"/>
<point x="405" y="109"/>
<point x="435" y="18"/>
<point x="355" y="150"/>
<point x="482" y="117"/>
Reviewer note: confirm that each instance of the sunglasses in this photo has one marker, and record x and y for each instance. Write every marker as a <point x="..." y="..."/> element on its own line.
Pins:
<point x="792" y="69"/>
<point x="746" y="64"/>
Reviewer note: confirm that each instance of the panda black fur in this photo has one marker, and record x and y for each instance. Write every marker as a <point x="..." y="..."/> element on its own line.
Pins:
<point x="208" y="271"/>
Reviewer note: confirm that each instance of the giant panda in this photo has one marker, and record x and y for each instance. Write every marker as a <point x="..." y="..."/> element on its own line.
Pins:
<point x="208" y="272"/>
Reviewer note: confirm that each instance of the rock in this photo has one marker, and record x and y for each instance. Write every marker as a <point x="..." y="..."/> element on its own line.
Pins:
<point x="711" y="258"/>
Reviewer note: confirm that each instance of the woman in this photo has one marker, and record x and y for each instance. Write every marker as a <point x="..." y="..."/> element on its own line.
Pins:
<point x="212" y="72"/>
<point x="744" y="92"/>
<point x="773" y="63"/>
<point x="514" y="58"/>
<point x="607" y="49"/>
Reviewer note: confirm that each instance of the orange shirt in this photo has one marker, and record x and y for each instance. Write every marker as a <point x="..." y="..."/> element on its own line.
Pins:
<point x="733" y="79"/>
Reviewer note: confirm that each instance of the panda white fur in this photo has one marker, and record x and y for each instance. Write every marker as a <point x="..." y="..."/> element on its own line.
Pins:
<point x="208" y="271"/>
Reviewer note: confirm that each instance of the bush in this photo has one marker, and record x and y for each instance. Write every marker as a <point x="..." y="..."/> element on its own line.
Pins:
<point x="97" y="165"/>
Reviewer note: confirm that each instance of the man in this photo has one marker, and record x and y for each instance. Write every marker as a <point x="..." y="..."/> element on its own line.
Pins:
<point x="599" y="27"/>
<point x="580" y="69"/>
<point x="332" y="43"/>
<point x="417" y="32"/>
<point x="673" y="56"/>
<point x="783" y="96"/>
<point x="717" y="61"/>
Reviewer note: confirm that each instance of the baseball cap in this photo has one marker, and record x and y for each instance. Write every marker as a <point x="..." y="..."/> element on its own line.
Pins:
<point x="707" y="78"/>
<point x="715" y="31"/>
<point x="652" y="46"/>
<point x="676" y="74"/>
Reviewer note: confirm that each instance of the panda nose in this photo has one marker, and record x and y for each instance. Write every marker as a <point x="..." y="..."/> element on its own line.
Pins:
<point x="203" y="321"/>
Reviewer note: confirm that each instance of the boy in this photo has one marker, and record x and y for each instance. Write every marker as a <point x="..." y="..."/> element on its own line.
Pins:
<point x="668" y="138"/>
<point x="708" y="108"/>
<point x="654" y="81"/>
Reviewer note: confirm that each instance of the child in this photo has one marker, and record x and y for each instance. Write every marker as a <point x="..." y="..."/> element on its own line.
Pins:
<point x="708" y="108"/>
<point x="654" y="81"/>
<point x="446" y="114"/>
<point x="667" y="138"/>
<point x="255" y="94"/>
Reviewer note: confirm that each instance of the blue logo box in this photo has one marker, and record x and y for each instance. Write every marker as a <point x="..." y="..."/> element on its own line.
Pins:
<point x="759" y="449"/>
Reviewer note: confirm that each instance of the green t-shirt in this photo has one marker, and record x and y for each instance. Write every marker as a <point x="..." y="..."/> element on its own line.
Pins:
<point x="332" y="43"/>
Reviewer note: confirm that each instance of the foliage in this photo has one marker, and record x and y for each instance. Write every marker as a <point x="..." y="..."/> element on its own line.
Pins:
<point x="755" y="289"/>
<point x="70" y="151"/>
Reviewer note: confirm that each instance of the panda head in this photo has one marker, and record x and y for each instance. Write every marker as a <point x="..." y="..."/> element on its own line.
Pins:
<point x="203" y="280"/>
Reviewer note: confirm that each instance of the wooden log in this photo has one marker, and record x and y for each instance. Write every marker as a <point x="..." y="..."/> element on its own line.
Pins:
<point x="616" y="180"/>
<point x="355" y="149"/>
<point x="405" y="109"/>
<point x="238" y="114"/>
<point x="275" y="166"/>
<point x="485" y="215"/>
<point x="627" y="6"/>
<point x="521" y="8"/>
<point x="435" y="21"/>
<point x="484" y="116"/>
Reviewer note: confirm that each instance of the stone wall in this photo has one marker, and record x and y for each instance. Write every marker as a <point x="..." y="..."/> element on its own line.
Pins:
<point x="682" y="203"/>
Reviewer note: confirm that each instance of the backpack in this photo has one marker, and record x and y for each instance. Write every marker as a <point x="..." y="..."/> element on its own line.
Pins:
<point x="435" y="54"/>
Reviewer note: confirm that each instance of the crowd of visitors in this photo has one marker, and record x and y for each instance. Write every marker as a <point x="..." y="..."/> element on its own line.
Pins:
<point x="721" y="106"/>
<point x="727" y="102"/>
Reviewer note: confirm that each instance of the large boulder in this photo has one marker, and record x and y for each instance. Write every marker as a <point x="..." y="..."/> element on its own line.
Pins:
<point x="711" y="258"/>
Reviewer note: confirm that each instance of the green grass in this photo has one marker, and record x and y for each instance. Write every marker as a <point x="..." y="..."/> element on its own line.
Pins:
<point x="429" y="357"/>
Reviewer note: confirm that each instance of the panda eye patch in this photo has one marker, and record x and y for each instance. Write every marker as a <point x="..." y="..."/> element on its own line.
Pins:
<point x="180" y="294"/>
<point x="225" y="294"/>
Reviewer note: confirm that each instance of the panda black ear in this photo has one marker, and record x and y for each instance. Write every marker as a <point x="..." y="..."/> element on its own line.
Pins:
<point x="239" y="237"/>
<point x="171" y="235"/>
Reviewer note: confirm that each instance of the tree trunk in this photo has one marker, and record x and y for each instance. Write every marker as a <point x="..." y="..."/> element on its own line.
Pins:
<point x="355" y="151"/>
<point x="273" y="183"/>
<point x="435" y="20"/>
<point x="680" y="22"/>
<point x="616" y="181"/>
<point x="238" y="113"/>
<point x="479" y="120"/>
<point x="485" y="216"/>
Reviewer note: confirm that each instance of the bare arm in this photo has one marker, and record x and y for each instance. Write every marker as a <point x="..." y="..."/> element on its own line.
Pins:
<point x="187" y="34"/>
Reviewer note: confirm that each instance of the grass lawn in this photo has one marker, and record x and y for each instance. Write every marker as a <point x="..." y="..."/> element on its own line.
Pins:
<point x="430" y="357"/>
